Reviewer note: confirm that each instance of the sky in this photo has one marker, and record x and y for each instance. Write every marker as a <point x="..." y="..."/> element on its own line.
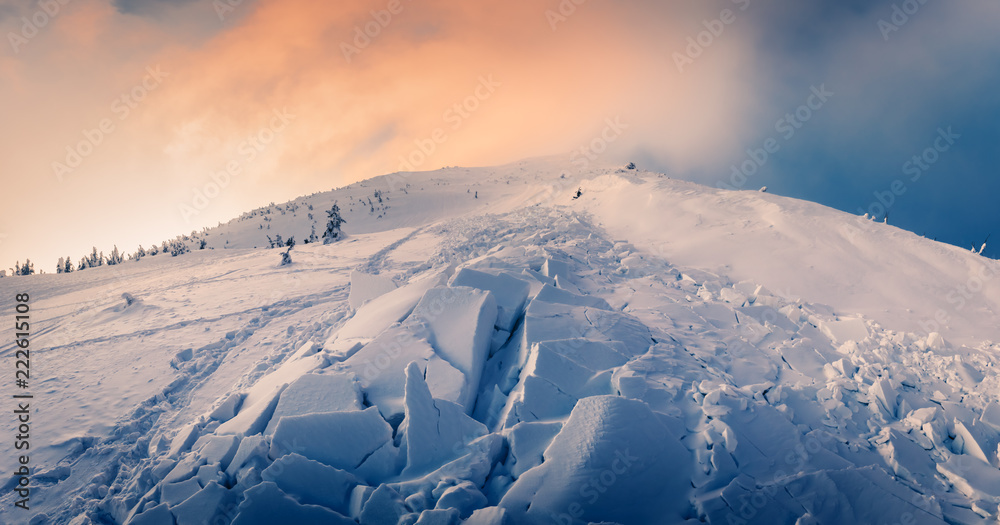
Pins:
<point x="120" y="117"/>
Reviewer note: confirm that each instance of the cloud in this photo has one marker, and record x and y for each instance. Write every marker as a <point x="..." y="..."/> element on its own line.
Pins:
<point x="147" y="7"/>
<point x="895" y="87"/>
<point x="364" y="113"/>
<point x="9" y="11"/>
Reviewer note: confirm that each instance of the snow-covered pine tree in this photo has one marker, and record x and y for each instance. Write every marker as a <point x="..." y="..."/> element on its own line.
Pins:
<point x="177" y="247"/>
<point x="61" y="265"/>
<point x="69" y="265"/>
<point x="286" y="256"/>
<point x="333" y="223"/>
<point x="28" y="268"/>
<point x="94" y="259"/>
<point x="115" y="258"/>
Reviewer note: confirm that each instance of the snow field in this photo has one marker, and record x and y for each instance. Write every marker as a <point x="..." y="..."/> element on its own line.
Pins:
<point x="552" y="364"/>
<point x="590" y="412"/>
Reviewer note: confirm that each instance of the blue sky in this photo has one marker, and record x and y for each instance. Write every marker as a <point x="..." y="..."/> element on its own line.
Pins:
<point x="927" y="77"/>
<point x="895" y="88"/>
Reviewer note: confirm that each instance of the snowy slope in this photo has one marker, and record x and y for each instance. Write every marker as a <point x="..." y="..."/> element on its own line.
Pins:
<point x="653" y="351"/>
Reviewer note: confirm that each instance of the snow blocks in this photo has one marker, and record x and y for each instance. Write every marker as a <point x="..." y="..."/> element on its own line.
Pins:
<point x="366" y="449"/>
<point x="378" y="314"/>
<point x="365" y="287"/>
<point x="559" y="373"/>
<point x="316" y="393"/>
<point x="435" y="430"/>
<point x="545" y="321"/>
<point x="313" y="482"/>
<point x="510" y="293"/>
<point x="461" y="322"/>
<point x="380" y="366"/>
<point x="266" y="504"/>
<point x="611" y="454"/>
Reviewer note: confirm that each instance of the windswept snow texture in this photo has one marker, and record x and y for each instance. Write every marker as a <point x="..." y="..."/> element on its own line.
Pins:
<point x="652" y="352"/>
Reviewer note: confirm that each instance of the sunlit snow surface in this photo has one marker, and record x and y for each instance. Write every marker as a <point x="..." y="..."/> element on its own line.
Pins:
<point x="653" y="351"/>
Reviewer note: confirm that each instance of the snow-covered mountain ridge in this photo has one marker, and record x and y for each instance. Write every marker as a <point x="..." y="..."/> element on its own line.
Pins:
<point x="487" y="347"/>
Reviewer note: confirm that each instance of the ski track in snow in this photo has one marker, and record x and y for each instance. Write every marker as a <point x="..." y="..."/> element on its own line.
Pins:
<point x="549" y="363"/>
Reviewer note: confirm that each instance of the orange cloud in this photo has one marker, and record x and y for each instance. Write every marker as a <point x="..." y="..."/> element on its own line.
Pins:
<point x="555" y="80"/>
